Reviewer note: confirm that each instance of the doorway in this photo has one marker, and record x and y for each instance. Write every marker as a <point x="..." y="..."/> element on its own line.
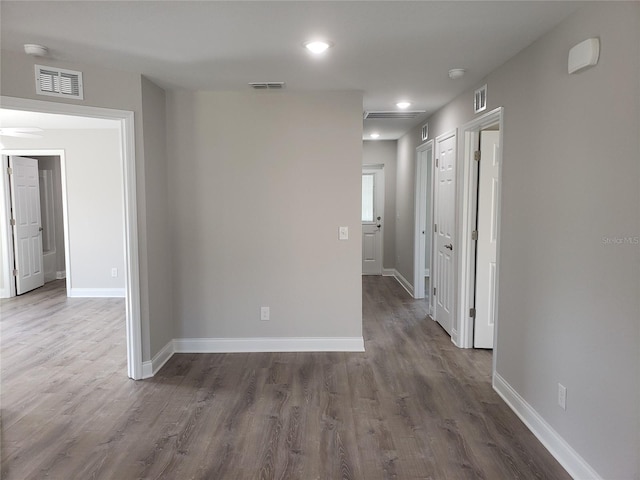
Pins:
<point x="130" y="272"/>
<point x="424" y="223"/>
<point x="35" y="207"/>
<point x="481" y="180"/>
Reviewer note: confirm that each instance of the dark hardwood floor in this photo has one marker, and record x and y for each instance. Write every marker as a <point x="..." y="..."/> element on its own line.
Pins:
<point x="412" y="407"/>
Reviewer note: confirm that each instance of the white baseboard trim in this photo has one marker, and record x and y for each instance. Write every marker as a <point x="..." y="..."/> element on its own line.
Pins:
<point x="61" y="275"/>
<point x="268" y="344"/>
<point x="572" y="462"/>
<point x="388" y="272"/>
<point x="404" y="282"/>
<point x="149" y="369"/>
<point x="97" y="292"/>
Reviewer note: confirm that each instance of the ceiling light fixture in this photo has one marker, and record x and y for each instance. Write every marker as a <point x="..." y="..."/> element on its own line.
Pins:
<point x="317" y="46"/>
<point x="456" y="73"/>
<point x="374" y="135"/>
<point x="35" y="50"/>
<point x="403" y="105"/>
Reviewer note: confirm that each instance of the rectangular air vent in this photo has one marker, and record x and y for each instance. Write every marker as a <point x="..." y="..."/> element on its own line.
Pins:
<point x="267" y="85"/>
<point x="58" y="82"/>
<point x="480" y="99"/>
<point x="393" y="114"/>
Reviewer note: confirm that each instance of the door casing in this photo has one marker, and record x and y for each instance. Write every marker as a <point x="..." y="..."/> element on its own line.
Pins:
<point x="467" y="199"/>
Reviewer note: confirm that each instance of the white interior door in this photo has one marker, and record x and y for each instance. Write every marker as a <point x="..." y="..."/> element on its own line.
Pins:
<point x="487" y="237"/>
<point x="445" y="196"/>
<point x="27" y="231"/>
<point x="372" y="218"/>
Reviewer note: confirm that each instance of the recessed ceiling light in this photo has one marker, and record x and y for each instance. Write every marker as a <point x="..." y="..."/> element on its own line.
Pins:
<point x="374" y="135"/>
<point x="456" y="73"/>
<point x="317" y="46"/>
<point x="403" y="105"/>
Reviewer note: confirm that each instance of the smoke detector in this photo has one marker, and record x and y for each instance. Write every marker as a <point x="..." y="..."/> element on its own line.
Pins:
<point x="456" y="73"/>
<point x="35" y="50"/>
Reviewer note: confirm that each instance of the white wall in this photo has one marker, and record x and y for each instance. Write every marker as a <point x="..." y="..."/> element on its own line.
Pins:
<point x="383" y="152"/>
<point x="259" y="183"/>
<point x="94" y="203"/>
<point x="569" y="308"/>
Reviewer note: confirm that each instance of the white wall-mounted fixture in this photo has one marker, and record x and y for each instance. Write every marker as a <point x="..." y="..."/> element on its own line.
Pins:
<point x="375" y="135"/>
<point x="584" y="55"/>
<point x="425" y="131"/>
<point x="35" y="50"/>
<point x="403" y="104"/>
<point x="480" y="99"/>
<point x="318" y="46"/>
<point x="456" y="73"/>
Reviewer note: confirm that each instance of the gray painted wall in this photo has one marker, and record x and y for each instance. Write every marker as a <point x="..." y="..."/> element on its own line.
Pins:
<point x="384" y="152"/>
<point x="259" y="183"/>
<point x="569" y="305"/>
<point x="158" y="255"/>
<point x="94" y="202"/>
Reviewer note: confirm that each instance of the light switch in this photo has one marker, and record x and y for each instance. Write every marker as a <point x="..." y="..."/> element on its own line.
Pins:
<point x="343" y="233"/>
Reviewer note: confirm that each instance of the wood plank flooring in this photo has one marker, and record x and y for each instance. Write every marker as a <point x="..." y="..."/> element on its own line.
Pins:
<point x="412" y="407"/>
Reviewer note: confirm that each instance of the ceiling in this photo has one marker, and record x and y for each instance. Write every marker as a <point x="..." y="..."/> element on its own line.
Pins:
<point x="389" y="50"/>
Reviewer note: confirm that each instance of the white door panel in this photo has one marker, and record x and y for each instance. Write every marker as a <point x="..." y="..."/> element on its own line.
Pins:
<point x="372" y="226"/>
<point x="445" y="196"/>
<point x="27" y="232"/>
<point x="486" y="268"/>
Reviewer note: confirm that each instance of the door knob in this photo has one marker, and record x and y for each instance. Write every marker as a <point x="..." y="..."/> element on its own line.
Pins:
<point x="40" y="229"/>
<point x="450" y="246"/>
<point x="378" y="225"/>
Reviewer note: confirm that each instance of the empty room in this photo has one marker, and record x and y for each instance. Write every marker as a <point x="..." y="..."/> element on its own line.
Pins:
<point x="314" y="240"/>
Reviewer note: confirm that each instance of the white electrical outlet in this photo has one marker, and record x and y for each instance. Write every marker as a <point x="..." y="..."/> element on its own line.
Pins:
<point x="562" y="396"/>
<point x="343" y="233"/>
<point x="114" y="272"/>
<point x="264" y="313"/>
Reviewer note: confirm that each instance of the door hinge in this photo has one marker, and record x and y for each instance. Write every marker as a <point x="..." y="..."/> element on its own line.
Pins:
<point x="472" y="312"/>
<point x="437" y="163"/>
<point x="474" y="235"/>
<point x="15" y="272"/>
<point x="434" y="291"/>
<point x="12" y="222"/>
<point x="10" y="170"/>
<point x="477" y="155"/>
<point x="435" y="227"/>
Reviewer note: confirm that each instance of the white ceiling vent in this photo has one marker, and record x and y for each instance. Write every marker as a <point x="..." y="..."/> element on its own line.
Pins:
<point x="267" y="85"/>
<point x="58" y="82"/>
<point x="393" y="114"/>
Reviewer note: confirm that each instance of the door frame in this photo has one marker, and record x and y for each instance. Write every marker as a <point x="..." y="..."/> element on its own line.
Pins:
<point x="422" y="189"/>
<point x="128" y="166"/>
<point x="379" y="198"/>
<point x="470" y="137"/>
<point x="5" y="215"/>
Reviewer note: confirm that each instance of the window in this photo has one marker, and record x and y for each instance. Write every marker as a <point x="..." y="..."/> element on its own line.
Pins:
<point x="367" y="197"/>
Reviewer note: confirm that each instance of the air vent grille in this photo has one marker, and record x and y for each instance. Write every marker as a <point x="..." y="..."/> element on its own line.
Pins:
<point x="267" y="85"/>
<point x="57" y="82"/>
<point x="393" y="114"/>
